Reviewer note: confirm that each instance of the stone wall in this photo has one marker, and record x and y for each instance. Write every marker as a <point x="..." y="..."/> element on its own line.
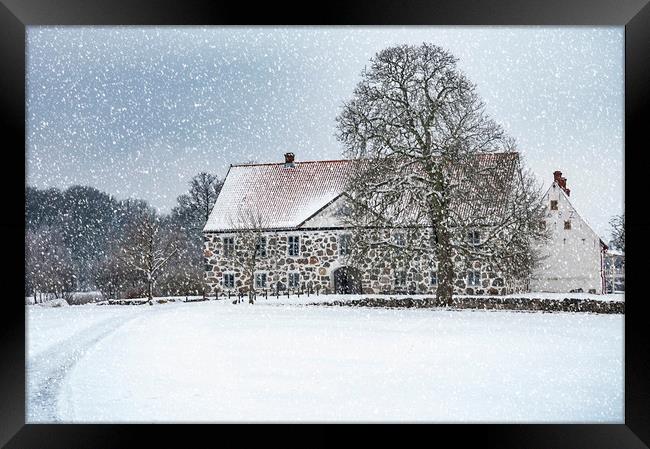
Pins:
<point x="488" y="303"/>
<point x="319" y="258"/>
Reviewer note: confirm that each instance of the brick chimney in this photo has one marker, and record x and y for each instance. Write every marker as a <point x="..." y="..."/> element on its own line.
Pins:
<point x="288" y="159"/>
<point x="560" y="181"/>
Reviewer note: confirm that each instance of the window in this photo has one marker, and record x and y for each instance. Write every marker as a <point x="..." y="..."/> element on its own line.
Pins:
<point x="293" y="245"/>
<point x="400" y="239"/>
<point x="229" y="280"/>
<point x="553" y="204"/>
<point x="567" y="224"/>
<point x="344" y="244"/>
<point x="260" y="280"/>
<point x="473" y="278"/>
<point x="260" y="247"/>
<point x="400" y="279"/>
<point x="434" y="278"/>
<point x="228" y="246"/>
<point x="294" y="280"/>
<point x="542" y="225"/>
<point x="474" y="237"/>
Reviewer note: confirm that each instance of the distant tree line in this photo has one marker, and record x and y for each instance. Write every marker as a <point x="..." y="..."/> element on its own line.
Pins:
<point x="82" y="239"/>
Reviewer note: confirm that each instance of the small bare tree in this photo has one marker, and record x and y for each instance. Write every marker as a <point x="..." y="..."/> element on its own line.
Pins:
<point x="250" y="243"/>
<point x="48" y="263"/>
<point x="618" y="231"/>
<point x="199" y="201"/>
<point x="113" y="274"/>
<point x="148" y="247"/>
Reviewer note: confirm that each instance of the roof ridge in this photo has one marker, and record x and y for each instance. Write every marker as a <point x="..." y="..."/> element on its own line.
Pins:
<point x="316" y="161"/>
<point x="296" y="162"/>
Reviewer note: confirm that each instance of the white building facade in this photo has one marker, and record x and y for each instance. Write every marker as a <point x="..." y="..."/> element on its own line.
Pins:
<point x="573" y="260"/>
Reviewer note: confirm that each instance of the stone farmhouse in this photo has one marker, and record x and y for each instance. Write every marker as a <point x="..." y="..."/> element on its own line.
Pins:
<point x="301" y="241"/>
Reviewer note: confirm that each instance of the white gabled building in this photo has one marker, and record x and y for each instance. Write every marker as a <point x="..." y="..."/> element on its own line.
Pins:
<point x="574" y="258"/>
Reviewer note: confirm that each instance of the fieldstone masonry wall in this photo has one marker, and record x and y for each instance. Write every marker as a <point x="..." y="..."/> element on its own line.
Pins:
<point x="319" y="258"/>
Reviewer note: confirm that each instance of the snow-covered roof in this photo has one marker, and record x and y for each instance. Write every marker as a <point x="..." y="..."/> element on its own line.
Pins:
<point x="615" y="252"/>
<point x="283" y="197"/>
<point x="488" y="193"/>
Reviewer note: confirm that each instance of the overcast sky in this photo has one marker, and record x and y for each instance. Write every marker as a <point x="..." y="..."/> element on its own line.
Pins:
<point x="137" y="111"/>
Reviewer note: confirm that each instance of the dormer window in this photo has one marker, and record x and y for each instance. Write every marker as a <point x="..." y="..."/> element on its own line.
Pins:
<point x="474" y="237"/>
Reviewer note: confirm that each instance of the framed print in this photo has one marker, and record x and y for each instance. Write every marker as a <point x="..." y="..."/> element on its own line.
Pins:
<point x="409" y="213"/>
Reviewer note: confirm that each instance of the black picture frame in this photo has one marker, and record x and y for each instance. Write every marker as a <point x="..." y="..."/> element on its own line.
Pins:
<point x="16" y="15"/>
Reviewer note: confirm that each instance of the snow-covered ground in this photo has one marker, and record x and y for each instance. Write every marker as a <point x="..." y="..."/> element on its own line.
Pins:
<point x="48" y="327"/>
<point x="216" y="361"/>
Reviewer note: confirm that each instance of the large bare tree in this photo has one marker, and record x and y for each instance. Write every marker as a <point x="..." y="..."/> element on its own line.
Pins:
<point x="423" y="143"/>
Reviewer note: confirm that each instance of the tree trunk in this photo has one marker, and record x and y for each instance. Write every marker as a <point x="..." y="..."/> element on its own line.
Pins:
<point x="445" y="267"/>
<point x="439" y="214"/>
<point x="150" y="291"/>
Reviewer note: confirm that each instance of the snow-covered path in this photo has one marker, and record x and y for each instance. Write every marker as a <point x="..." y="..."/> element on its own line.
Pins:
<point x="48" y="368"/>
<point x="215" y="361"/>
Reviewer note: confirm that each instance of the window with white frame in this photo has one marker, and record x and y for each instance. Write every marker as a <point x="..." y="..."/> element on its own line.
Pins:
<point x="344" y="244"/>
<point x="260" y="246"/>
<point x="434" y="277"/>
<point x="293" y="245"/>
<point x="399" y="238"/>
<point x="260" y="280"/>
<point x="228" y="246"/>
<point x="474" y="237"/>
<point x="229" y="280"/>
<point x="293" y="280"/>
<point x="400" y="279"/>
<point x="473" y="278"/>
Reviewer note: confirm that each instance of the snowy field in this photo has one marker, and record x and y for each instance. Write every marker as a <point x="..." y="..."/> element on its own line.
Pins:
<point x="215" y="361"/>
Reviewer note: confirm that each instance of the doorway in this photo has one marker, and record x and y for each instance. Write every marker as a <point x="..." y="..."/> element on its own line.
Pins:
<point x="347" y="281"/>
